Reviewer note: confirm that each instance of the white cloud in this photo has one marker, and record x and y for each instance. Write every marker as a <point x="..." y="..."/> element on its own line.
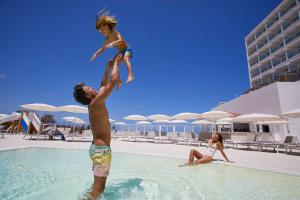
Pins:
<point x="3" y="76"/>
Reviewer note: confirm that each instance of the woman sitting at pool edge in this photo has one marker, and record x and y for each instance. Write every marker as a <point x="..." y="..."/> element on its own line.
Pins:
<point x="214" y="144"/>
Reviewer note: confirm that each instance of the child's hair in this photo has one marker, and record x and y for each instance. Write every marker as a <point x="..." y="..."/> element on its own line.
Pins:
<point x="103" y="19"/>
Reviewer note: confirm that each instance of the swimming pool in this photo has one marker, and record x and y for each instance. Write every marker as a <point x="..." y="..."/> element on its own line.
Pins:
<point x="42" y="173"/>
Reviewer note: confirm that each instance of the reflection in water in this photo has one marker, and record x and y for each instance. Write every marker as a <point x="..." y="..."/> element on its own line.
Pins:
<point x="123" y="189"/>
<point x="116" y="191"/>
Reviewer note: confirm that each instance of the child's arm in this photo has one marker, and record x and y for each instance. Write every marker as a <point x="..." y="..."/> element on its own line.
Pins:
<point x="119" y="40"/>
<point x="99" y="51"/>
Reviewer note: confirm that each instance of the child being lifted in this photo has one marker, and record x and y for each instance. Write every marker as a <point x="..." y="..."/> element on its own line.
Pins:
<point x="106" y="25"/>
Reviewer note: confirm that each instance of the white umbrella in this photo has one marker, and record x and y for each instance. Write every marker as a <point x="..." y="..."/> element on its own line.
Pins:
<point x="202" y="122"/>
<point x="178" y="121"/>
<point x="159" y="117"/>
<point x="227" y="119"/>
<point x="256" y="117"/>
<point x="14" y="116"/>
<point x="215" y="115"/>
<point x="74" y="120"/>
<point x="280" y="122"/>
<point x="3" y="115"/>
<point x="161" y="121"/>
<point x="292" y="113"/>
<point x="112" y="120"/>
<point x="223" y="123"/>
<point x="274" y="122"/>
<point x="40" y="107"/>
<point x="73" y="109"/>
<point x="186" y="116"/>
<point x="135" y="118"/>
<point x="120" y="123"/>
<point x="143" y="123"/>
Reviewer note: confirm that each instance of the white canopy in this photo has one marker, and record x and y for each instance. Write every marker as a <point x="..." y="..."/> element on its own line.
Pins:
<point x="74" y="120"/>
<point x="161" y="121"/>
<point x="256" y="117"/>
<point x="223" y="123"/>
<point x="73" y="109"/>
<point x="39" y="107"/>
<point x="111" y="120"/>
<point x="227" y="119"/>
<point x="274" y="122"/>
<point x="3" y="115"/>
<point x="201" y="122"/>
<point x="177" y="121"/>
<point x="14" y="116"/>
<point x="135" y="118"/>
<point x="159" y="117"/>
<point x="215" y="115"/>
<point x="292" y="113"/>
<point x="143" y="123"/>
<point x="186" y="116"/>
<point x="120" y="123"/>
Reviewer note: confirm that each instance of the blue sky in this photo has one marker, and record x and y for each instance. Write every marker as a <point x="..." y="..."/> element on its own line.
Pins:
<point x="188" y="55"/>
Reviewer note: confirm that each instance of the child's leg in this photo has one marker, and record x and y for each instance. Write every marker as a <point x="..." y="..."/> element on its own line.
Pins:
<point x="129" y="67"/>
<point x="119" y="81"/>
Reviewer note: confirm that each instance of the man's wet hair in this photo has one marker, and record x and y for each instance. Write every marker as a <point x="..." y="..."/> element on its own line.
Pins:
<point x="80" y="95"/>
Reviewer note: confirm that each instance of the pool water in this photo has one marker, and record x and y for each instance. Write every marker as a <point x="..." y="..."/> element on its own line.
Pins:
<point x="61" y="174"/>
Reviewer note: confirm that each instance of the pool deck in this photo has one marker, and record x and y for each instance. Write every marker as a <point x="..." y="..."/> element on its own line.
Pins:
<point x="279" y="163"/>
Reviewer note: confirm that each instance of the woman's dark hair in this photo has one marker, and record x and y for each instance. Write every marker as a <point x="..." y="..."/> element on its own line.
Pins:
<point x="80" y="95"/>
<point x="220" y="139"/>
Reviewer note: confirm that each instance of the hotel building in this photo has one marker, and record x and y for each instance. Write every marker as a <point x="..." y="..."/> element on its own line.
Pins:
<point x="273" y="46"/>
<point x="273" y="55"/>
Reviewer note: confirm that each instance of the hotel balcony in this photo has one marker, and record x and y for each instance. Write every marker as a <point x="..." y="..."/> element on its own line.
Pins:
<point x="282" y="14"/>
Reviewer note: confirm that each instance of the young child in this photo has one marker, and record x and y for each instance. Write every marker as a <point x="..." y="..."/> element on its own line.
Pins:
<point x="106" y="25"/>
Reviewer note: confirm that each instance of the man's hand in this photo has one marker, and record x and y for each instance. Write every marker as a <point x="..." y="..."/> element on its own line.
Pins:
<point x="94" y="56"/>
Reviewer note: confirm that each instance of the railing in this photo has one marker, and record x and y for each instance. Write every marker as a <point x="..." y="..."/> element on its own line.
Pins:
<point x="250" y="41"/>
<point x="272" y="22"/>
<point x="289" y="23"/>
<point x="277" y="47"/>
<point x="263" y="56"/>
<point x="292" y="37"/>
<point x="265" y="68"/>
<point x="253" y="63"/>
<point x="278" y="61"/>
<point x="255" y="73"/>
<point x="282" y="13"/>
<point x="262" y="44"/>
<point x="293" y="53"/>
<point x="260" y="32"/>
<point x="274" y="34"/>
<point x="251" y="52"/>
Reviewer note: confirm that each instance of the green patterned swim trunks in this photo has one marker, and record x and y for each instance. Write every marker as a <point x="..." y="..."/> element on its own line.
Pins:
<point x="101" y="157"/>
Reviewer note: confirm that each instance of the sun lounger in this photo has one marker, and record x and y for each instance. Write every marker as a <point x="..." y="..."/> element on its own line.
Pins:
<point x="86" y="136"/>
<point x="204" y="137"/>
<point x="293" y="145"/>
<point x="245" y="139"/>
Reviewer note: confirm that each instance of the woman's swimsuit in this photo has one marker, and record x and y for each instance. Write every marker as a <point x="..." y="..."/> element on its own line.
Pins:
<point x="210" y="151"/>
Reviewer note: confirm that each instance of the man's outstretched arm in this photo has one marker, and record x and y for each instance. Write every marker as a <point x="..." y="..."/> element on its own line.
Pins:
<point x="106" y="89"/>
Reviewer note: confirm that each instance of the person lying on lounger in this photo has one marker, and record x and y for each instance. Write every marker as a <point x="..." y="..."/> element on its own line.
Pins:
<point x="214" y="144"/>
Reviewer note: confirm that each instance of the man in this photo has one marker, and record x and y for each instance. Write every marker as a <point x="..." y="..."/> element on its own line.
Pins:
<point x="100" y="152"/>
